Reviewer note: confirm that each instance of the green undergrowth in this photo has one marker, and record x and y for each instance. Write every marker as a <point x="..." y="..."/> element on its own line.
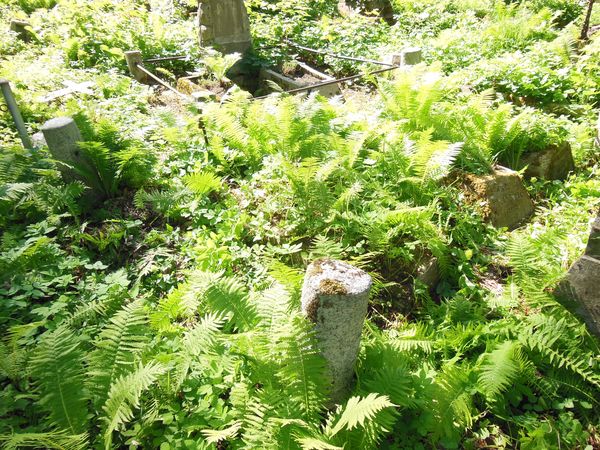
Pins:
<point x="153" y="299"/>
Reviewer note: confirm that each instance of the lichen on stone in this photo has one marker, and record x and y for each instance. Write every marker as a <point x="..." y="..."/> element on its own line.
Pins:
<point x="328" y="286"/>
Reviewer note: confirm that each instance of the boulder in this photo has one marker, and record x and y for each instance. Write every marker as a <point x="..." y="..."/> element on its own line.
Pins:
<point x="554" y="163"/>
<point x="501" y="196"/>
<point x="593" y="246"/>
<point x="583" y="285"/>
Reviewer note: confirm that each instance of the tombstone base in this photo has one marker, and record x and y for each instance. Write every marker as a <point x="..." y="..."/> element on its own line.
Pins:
<point x="554" y="163"/>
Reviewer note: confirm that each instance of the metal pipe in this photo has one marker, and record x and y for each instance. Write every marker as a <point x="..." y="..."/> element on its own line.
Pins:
<point x="15" y="113"/>
<point x="333" y="55"/>
<point x="327" y="83"/>
<point x="165" y="58"/>
<point x="161" y="82"/>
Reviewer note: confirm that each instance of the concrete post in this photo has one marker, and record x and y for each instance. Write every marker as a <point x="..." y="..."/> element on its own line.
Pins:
<point x="335" y="297"/>
<point x="15" y="113"/>
<point x="411" y="56"/>
<point x="20" y="27"/>
<point x="62" y="135"/>
<point x="134" y="58"/>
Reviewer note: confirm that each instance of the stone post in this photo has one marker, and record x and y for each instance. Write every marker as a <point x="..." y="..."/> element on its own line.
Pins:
<point x="224" y="24"/>
<point x="335" y="297"/>
<point x="15" y="112"/>
<point x="133" y="58"/>
<point x="62" y="135"/>
<point x="411" y="56"/>
<point x="20" y="27"/>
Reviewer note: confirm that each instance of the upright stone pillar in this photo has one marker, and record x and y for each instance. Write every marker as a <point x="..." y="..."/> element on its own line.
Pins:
<point x="62" y="135"/>
<point x="335" y="297"/>
<point x="224" y="25"/>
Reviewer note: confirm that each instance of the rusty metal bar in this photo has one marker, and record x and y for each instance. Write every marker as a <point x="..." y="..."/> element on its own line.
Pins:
<point x="165" y="58"/>
<point x="327" y="83"/>
<point x="334" y="55"/>
<point x="161" y="82"/>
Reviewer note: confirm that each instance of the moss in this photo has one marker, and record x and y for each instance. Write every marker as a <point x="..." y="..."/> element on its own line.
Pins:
<point x="311" y="310"/>
<point x="332" y="287"/>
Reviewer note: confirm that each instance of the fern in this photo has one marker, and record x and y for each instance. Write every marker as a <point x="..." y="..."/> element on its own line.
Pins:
<point x="203" y="183"/>
<point x="57" y="369"/>
<point x="499" y="369"/>
<point x="51" y="440"/>
<point x="116" y="348"/>
<point x="124" y="396"/>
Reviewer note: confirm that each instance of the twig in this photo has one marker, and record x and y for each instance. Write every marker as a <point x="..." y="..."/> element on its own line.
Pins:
<point x="161" y="82"/>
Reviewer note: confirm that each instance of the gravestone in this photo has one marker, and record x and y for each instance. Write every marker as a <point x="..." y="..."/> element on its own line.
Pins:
<point x="335" y="297"/>
<point x="224" y="25"/>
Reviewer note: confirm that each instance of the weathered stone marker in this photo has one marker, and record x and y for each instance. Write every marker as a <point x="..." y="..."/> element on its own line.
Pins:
<point x="582" y="283"/>
<point x="224" y="24"/>
<point x="20" y="27"/>
<point x="335" y="297"/>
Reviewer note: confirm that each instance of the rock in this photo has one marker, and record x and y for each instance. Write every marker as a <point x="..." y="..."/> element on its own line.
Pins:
<point x="335" y="297"/>
<point x="501" y="196"/>
<point x="224" y="25"/>
<point x="38" y="140"/>
<point x="583" y="285"/>
<point x="428" y="272"/>
<point x="554" y="163"/>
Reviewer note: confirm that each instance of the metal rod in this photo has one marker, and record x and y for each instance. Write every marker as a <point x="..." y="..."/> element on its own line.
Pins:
<point x="333" y="55"/>
<point x="15" y="113"/>
<point x="161" y="82"/>
<point x="327" y="83"/>
<point x="165" y="58"/>
<point x="313" y="71"/>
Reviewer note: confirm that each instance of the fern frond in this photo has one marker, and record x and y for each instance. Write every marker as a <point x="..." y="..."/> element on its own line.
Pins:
<point x="203" y="183"/>
<point x="58" y="440"/>
<point x="124" y="396"/>
<point x="216" y="436"/>
<point x="358" y="411"/>
<point x="57" y="370"/>
<point x="499" y="368"/>
<point x="117" y="345"/>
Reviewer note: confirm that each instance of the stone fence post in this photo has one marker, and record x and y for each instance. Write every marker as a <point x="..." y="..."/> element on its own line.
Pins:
<point x="335" y="297"/>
